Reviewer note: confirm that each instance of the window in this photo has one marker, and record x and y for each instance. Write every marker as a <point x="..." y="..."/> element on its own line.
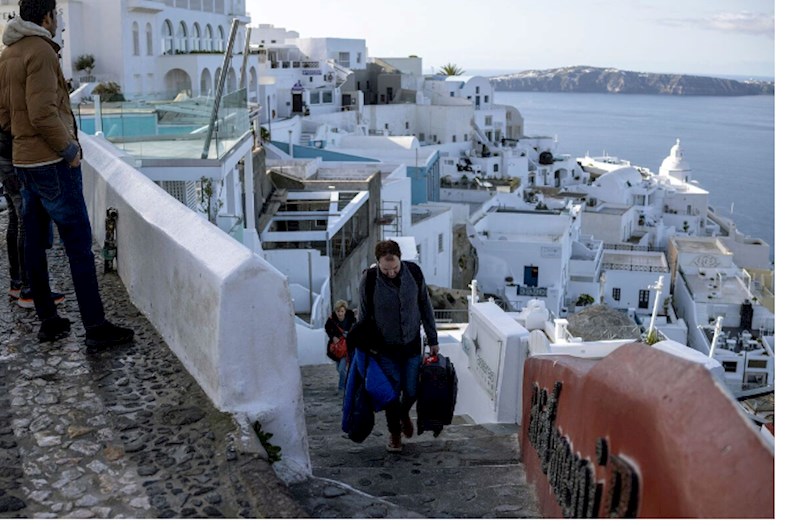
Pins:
<point x="385" y="125"/>
<point x="358" y="58"/>
<point x="477" y="90"/>
<point x="496" y="168"/>
<point x="344" y="59"/>
<point x="441" y="245"/>
<point x="466" y="137"/>
<point x="452" y="93"/>
<point x="314" y="97"/>
<point x="421" y="137"/>
<point x="435" y="138"/>
<point x="757" y="364"/>
<point x="730" y="367"/>
<point x="406" y="124"/>
<point x="616" y="293"/>
<point x="644" y="299"/>
<point x="488" y="120"/>
<point x="148" y="35"/>
<point x="454" y="138"/>
<point x="209" y="39"/>
<point x="486" y="99"/>
<point x="327" y="97"/>
<point x="197" y="43"/>
<point x="135" y="39"/>
<point x="167" y="45"/>
<point x="183" y="38"/>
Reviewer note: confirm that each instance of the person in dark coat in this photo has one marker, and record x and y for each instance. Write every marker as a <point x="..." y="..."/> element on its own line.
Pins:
<point x="337" y="326"/>
<point x="401" y="304"/>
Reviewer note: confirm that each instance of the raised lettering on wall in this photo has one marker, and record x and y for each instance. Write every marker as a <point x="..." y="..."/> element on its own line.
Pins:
<point x="571" y="477"/>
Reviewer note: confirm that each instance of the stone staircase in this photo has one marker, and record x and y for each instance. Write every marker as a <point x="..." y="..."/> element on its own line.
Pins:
<point x="469" y="471"/>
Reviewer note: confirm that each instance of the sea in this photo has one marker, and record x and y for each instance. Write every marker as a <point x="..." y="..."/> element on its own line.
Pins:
<point x="729" y="142"/>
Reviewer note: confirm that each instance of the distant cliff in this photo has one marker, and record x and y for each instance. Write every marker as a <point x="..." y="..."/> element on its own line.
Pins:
<point x="587" y="79"/>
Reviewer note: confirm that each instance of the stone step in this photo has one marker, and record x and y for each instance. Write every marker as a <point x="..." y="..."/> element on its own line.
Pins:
<point x="323" y="498"/>
<point x="495" y="450"/>
<point x="468" y="471"/>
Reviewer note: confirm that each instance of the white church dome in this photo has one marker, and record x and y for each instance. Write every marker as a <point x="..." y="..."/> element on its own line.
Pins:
<point x="675" y="165"/>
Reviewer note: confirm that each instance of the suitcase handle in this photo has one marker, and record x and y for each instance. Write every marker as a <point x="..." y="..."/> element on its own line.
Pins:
<point x="429" y="358"/>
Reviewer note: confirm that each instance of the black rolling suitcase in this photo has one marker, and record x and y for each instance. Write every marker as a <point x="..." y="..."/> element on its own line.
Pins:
<point x="436" y="394"/>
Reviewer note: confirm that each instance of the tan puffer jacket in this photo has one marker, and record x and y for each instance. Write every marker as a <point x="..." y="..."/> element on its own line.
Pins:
<point x="34" y="99"/>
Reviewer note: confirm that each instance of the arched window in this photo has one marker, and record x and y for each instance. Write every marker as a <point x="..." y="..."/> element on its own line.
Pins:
<point x="197" y="44"/>
<point x="167" y="39"/>
<point x="206" y="88"/>
<point x="148" y="35"/>
<point x="183" y="38"/>
<point x="209" y="39"/>
<point x="221" y="43"/>
<point x="135" y="31"/>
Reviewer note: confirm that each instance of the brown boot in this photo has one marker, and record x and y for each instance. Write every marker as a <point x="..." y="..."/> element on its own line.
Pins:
<point x="395" y="444"/>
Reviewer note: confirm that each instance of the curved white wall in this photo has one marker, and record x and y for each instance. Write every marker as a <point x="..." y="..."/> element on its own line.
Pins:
<point x="224" y="311"/>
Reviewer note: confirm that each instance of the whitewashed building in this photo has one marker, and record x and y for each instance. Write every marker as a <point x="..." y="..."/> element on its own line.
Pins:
<point x="710" y="290"/>
<point x="154" y="49"/>
<point x="524" y="252"/>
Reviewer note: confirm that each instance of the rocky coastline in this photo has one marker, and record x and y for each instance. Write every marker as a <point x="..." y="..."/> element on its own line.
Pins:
<point x="587" y="79"/>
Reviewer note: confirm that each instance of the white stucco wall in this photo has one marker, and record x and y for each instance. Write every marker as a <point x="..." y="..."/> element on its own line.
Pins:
<point x="207" y="296"/>
<point x="436" y="264"/>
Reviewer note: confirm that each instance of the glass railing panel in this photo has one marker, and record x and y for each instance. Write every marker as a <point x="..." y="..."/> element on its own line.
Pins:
<point x="169" y="129"/>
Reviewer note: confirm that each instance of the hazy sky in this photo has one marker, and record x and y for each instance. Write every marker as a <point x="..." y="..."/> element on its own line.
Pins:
<point x="732" y="37"/>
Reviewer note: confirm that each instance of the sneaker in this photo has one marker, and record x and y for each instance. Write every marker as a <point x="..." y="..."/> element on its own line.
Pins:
<point x="395" y="444"/>
<point x="26" y="298"/>
<point x="107" y="335"/>
<point x="14" y="290"/>
<point x="53" y="329"/>
<point x="408" y="426"/>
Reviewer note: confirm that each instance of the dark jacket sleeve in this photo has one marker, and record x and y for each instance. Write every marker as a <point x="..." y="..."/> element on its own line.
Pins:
<point x="330" y="328"/>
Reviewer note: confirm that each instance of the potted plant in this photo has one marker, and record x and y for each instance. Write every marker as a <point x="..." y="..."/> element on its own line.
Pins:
<point x="85" y="63"/>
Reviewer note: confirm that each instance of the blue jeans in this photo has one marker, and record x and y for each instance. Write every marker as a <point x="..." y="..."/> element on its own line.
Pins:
<point x="403" y="371"/>
<point x="55" y="192"/>
<point x="341" y="366"/>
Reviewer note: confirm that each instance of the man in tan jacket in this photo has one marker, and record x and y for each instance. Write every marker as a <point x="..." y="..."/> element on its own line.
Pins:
<point x="35" y="109"/>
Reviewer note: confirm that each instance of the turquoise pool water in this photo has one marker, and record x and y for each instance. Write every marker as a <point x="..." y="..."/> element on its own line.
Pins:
<point x="127" y="125"/>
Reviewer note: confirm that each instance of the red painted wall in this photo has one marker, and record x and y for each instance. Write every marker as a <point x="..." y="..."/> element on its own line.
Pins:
<point x="681" y="447"/>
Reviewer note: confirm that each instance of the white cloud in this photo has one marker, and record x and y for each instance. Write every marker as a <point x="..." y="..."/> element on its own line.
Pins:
<point x="741" y="22"/>
<point x="744" y="22"/>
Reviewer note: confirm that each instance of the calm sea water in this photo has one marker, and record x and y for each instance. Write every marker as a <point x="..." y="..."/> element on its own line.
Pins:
<point x="729" y="142"/>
